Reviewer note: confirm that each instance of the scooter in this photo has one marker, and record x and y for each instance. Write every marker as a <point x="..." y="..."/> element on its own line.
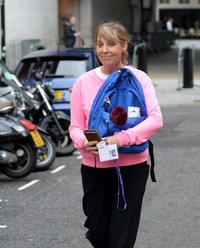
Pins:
<point x="39" y="99"/>
<point x="45" y="148"/>
<point x="18" y="155"/>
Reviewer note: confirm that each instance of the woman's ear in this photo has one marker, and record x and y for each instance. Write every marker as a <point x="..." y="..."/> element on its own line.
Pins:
<point x="125" y="46"/>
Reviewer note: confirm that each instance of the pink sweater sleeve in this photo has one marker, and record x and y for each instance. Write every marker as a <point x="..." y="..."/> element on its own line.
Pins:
<point x="83" y="93"/>
<point x="77" y="125"/>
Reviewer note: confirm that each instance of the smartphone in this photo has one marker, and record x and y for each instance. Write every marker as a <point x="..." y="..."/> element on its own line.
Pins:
<point x="92" y="135"/>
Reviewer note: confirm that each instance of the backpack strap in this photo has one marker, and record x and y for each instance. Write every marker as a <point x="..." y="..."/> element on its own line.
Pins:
<point x="151" y="153"/>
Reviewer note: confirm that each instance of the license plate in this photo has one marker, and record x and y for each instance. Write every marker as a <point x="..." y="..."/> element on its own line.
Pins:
<point x="58" y="94"/>
<point x="37" y="138"/>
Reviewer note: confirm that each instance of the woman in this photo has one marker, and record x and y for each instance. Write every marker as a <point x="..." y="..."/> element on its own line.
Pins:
<point x="108" y="227"/>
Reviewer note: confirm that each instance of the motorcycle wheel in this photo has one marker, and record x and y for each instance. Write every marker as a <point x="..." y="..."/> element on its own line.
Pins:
<point x="63" y="143"/>
<point x="26" y="161"/>
<point x="46" y="154"/>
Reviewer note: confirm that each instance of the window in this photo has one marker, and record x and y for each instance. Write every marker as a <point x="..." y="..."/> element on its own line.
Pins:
<point x="164" y="1"/>
<point x="184" y="1"/>
<point x="65" y="68"/>
<point x="71" y="68"/>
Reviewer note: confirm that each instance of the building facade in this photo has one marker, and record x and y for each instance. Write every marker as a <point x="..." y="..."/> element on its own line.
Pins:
<point x="184" y="12"/>
<point x="25" y="23"/>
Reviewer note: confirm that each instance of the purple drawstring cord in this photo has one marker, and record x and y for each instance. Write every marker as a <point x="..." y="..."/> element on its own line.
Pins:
<point x="120" y="188"/>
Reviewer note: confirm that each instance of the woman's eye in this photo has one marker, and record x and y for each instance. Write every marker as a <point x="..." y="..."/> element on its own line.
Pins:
<point x="111" y="44"/>
<point x="99" y="44"/>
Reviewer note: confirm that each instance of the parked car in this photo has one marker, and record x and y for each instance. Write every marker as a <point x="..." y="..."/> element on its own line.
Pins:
<point x="60" y="69"/>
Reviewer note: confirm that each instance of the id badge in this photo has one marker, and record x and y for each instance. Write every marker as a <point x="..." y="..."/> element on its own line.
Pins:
<point x="107" y="152"/>
<point x="133" y="111"/>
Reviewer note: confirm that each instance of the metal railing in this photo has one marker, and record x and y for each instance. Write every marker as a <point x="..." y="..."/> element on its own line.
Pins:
<point x="135" y="55"/>
<point x="139" y="58"/>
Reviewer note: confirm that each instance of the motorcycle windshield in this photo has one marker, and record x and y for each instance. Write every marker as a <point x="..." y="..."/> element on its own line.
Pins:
<point x="10" y="80"/>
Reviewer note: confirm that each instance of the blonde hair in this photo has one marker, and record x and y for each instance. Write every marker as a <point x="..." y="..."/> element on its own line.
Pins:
<point x="116" y="32"/>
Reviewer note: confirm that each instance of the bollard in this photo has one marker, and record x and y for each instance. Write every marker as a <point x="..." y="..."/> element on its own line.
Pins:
<point x="142" y="58"/>
<point x="188" y="68"/>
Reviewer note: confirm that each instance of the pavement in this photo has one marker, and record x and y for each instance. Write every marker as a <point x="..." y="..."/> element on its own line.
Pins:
<point x="166" y="71"/>
<point x="170" y="215"/>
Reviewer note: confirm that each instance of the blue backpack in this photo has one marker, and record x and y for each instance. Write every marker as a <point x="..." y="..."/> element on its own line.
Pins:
<point x="120" y="91"/>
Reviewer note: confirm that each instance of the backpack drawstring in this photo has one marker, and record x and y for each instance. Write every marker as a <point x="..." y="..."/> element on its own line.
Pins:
<point x="120" y="188"/>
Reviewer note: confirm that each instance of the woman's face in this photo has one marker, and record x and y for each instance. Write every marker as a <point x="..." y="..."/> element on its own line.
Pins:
<point x="110" y="54"/>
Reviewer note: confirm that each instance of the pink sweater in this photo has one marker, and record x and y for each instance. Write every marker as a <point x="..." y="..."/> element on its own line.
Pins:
<point x="83" y="94"/>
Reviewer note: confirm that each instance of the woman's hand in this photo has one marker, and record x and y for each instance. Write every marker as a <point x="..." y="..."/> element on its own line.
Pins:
<point x="110" y="140"/>
<point x="90" y="146"/>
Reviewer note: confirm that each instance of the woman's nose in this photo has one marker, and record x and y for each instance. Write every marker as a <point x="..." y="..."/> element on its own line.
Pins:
<point x="104" y="48"/>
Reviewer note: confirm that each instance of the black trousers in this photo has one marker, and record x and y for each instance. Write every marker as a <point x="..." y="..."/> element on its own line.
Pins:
<point x="109" y="227"/>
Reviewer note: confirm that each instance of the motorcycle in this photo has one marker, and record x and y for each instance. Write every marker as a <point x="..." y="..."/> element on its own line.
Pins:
<point x="18" y="156"/>
<point x="56" y="123"/>
<point x="39" y="99"/>
<point x="45" y="148"/>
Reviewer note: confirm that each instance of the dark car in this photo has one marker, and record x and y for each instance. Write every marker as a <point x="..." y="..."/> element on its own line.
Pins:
<point x="60" y="69"/>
